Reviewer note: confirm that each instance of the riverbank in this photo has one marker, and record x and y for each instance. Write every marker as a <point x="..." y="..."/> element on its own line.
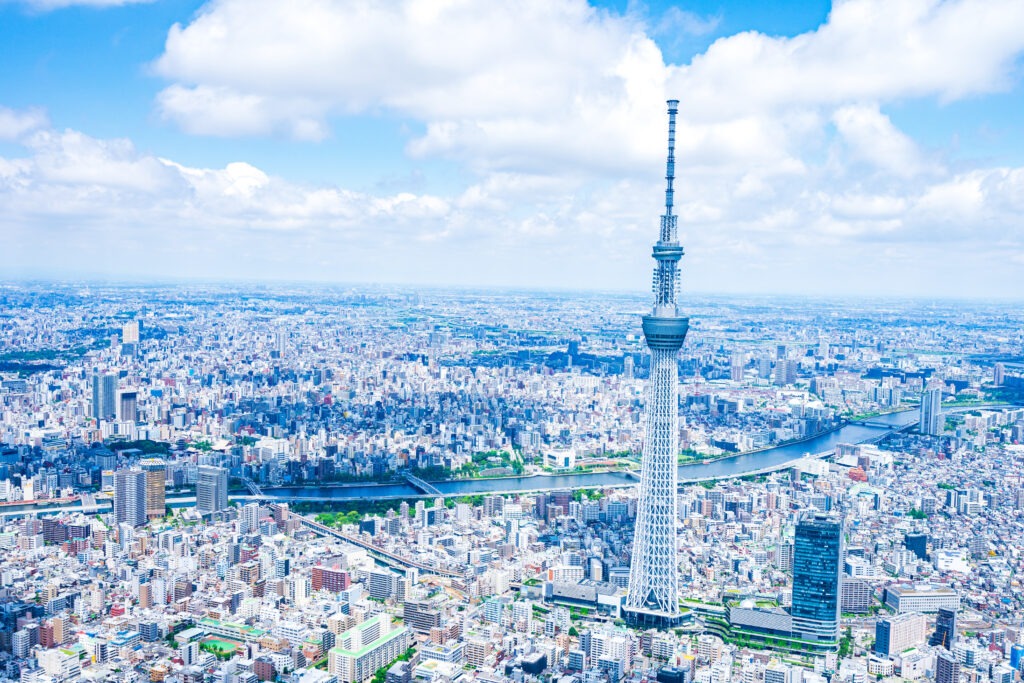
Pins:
<point x="781" y="444"/>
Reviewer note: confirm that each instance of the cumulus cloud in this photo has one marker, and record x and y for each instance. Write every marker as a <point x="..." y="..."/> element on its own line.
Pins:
<point x="554" y="113"/>
<point x="15" y="124"/>
<point x="110" y="183"/>
<point x="551" y="84"/>
<point x="869" y="50"/>
<point x="74" y="159"/>
<point x="209" y="110"/>
<point x="84" y="200"/>
<point x="871" y="137"/>
<point x="507" y="85"/>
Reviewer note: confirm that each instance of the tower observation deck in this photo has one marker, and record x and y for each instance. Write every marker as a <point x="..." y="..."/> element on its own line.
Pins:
<point x="653" y="598"/>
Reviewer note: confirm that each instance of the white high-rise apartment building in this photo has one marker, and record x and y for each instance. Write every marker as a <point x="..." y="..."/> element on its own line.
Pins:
<point x="211" y="489"/>
<point x="931" y="421"/>
<point x="130" y="497"/>
<point x="249" y="520"/>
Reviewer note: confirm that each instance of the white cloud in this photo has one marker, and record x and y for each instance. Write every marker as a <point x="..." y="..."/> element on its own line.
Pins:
<point x="677" y="21"/>
<point x="514" y="86"/>
<point x="869" y="50"/>
<point x="208" y="110"/>
<point x="868" y="206"/>
<point x="73" y="159"/>
<point x="959" y="199"/>
<point x="553" y="84"/>
<point x="110" y="183"/>
<point x="15" y="124"/>
<point x="441" y="60"/>
<point x="872" y="137"/>
<point x="103" y="203"/>
<point x="554" y="113"/>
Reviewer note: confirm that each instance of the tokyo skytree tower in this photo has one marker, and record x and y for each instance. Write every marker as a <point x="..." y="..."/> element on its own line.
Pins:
<point x="653" y="598"/>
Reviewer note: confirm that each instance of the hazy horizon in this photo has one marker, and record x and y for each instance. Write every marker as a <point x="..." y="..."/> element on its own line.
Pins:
<point x="641" y="296"/>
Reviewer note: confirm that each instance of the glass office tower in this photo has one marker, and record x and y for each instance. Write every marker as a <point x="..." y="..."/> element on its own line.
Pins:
<point x="817" y="566"/>
<point x="945" y="629"/>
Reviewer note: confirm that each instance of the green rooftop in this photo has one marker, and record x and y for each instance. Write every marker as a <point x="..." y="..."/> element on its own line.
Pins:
<point x="231" y="626"/>
<point x="387" y="637"/>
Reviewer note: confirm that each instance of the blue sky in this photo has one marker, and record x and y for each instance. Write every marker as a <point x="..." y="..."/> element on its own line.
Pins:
<point x="856" y="149"/>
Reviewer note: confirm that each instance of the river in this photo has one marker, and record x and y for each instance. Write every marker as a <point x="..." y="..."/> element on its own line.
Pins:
<point x="733" y="466"/>
<point x="861" y="431"/>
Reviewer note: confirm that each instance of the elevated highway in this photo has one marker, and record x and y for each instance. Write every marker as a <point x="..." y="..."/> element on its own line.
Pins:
<point x="387" y="557"/>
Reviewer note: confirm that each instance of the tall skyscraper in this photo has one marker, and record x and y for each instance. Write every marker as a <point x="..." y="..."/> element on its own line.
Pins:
<point x="653" y="597"/>
<point x="130" y="332"/>
<point x="737" y="365"/>
<point x="104" y="396"/>
<point x="918" y="544"/>
<point x="128" y="406"/>
<point x="931" y="421"/>
<point x="998" y="374"/>
<point x="945" y="629"/>
<point x="156" y="478"/>
<point x="130" y="497"/>
<point x="817" y="567"/>
<point x="211" y="489"/>
<point x="129" y="337"/>
<point x="785" y="372"/>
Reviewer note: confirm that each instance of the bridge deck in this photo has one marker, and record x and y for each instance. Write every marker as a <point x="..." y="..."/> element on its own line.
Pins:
<point x="426" y="487"/>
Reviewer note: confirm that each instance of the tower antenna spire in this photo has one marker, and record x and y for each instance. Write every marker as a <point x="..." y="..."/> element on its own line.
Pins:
<point x="667" y="251"/>
<point x="670" y="164"/>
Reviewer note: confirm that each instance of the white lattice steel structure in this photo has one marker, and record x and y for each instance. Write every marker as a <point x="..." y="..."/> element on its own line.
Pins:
<point x="654" y="573"/>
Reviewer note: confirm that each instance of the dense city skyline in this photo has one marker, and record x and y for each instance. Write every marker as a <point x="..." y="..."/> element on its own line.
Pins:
<point x="181" y="151"/>
<point x="203" y="484"/>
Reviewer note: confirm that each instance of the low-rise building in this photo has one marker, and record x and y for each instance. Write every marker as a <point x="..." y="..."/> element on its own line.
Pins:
<point x="923" y="598"/>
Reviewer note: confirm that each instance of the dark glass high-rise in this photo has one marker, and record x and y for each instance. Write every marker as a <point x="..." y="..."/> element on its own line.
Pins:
<point x="945" y="629"/>
<point x="817" y="566"/>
